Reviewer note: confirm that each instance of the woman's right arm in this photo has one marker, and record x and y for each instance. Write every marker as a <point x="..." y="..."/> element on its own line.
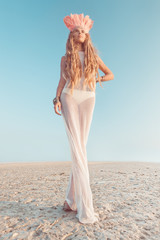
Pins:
<point x="62" y="81"/>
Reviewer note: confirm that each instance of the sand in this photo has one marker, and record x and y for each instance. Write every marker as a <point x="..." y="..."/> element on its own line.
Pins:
<point x="126" y="196"/>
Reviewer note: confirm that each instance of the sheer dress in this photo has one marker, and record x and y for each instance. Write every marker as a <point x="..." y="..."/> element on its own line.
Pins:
<point x="77" y="112"/>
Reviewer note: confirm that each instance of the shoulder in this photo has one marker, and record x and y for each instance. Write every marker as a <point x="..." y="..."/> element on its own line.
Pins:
<point x="63" y="59"/>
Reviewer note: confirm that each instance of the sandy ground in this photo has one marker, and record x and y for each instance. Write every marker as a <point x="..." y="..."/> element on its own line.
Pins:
<point x="126" y="196"/>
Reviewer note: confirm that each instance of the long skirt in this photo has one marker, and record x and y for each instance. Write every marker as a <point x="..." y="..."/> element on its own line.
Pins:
<point x="77" y="112"/>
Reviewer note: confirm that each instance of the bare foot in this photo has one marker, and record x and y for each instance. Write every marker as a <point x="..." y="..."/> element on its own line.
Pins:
<point x="66" y="207"/>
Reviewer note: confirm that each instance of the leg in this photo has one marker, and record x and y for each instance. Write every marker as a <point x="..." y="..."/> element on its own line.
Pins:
<point x="86" y="213"/>
<point x="86" y="109"/>
<point x="69" y="112"/>
<point x="70" y="194"/>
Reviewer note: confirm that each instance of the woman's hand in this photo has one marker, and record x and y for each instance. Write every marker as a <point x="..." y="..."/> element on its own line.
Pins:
<point x="57" y="106"/>
<point x="101" y="78"/>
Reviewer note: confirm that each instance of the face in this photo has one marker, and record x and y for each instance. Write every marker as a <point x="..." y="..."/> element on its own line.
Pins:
<point x="79" y="35"/>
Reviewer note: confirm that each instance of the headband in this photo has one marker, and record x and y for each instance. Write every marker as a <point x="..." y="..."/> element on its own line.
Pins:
<point x="76" y="20"/>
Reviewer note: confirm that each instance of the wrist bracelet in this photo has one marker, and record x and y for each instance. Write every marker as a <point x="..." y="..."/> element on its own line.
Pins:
<point x="56" y="99"/>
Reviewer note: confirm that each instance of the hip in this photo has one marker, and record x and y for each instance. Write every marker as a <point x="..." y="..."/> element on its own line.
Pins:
<point x="78" y="95"/>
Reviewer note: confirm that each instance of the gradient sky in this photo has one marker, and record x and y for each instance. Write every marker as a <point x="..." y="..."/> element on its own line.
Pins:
<point x="126" y="119"/>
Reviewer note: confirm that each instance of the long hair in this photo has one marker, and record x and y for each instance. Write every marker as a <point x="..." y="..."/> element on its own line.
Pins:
<point x="73" y="68"/>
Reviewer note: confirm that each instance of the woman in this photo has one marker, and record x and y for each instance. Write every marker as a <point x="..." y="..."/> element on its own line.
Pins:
<point x="75" y="98"/>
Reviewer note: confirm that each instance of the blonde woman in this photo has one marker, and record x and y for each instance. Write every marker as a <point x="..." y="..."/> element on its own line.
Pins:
<point x="75" y="98"/>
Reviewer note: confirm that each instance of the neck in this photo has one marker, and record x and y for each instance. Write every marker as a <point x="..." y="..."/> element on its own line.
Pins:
<point x="79" y="47"/>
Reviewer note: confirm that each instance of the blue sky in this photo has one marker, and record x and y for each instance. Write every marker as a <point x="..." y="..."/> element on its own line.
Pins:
<point x="125" y="125"/>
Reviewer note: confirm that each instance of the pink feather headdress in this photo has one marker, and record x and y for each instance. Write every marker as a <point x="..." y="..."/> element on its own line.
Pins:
<point x="76" y="20"/>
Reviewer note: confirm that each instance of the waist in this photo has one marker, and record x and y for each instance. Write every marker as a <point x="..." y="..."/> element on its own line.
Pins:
<point x="78" y="91"/>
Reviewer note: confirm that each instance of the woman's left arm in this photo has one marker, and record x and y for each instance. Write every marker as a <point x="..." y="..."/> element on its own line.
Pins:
<point x="108" y="74"/>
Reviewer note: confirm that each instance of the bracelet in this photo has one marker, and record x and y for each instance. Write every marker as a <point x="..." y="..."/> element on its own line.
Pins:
<point x="101" y="80"/>
<point x="56" y="99"/>
<point x="102" y="77"/>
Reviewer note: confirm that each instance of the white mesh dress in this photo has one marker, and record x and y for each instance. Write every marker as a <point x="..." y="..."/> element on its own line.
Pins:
<point x="77" y="111"/>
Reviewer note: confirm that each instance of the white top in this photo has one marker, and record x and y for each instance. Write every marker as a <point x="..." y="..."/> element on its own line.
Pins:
<point x="80" y="85"/>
